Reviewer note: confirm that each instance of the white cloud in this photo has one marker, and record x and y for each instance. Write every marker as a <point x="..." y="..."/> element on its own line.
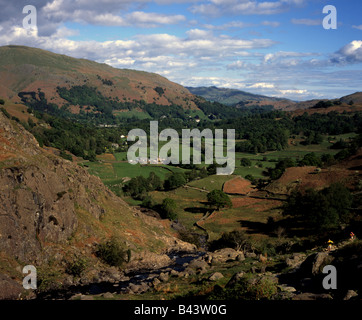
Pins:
<point x="273" y="24"/>
<point x="245" y="7"/>
<point x="262" y="85"/>
<point x="357" y="27"/>
<point x="289" y="92"/>
<point x="350" y="53"/>
<point x="307" y="22"/>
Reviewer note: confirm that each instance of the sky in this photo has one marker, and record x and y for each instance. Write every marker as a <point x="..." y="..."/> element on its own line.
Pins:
<point x="272" y="47"/>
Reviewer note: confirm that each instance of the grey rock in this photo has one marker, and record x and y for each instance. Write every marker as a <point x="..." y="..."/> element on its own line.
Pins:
<point x="295" y="260"/>
<point x="163" y="277"/>
<point x="234" y="279"/>
<point x="198" y="265"/>
<point x="321" y="258"/>
<point x="350" y="294"/>
<point x="156" y="282"/>
<point x="174" y="273"/>
<point x="250" y="255"/>
<point x="240" y="257"/>
<point x="312" y="296"/>
<point x="285" y="288"/>
<point x="216" y="276"/>
<point x="9" y="288"/>
<point x="107" y="295"/>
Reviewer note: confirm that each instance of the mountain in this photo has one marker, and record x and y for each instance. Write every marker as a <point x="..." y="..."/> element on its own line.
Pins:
<point x="25" y="69"/>
<point x="230" y="96"/>
<point x="356" y="98"/>
<point x="54" y="213"/>
<point x="349" y="103"/>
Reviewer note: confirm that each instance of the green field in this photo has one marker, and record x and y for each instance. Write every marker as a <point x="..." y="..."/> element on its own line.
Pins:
<point x="191" y="200"/>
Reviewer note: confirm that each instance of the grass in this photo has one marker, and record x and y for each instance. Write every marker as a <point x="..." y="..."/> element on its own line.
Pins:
<point x="251" y="216"/>
<point x="210" y="183"/>
<point x="132" y="114"/>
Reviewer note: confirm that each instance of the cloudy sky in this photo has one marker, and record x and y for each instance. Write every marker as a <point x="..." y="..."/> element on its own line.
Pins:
<point x="272" y="47"/>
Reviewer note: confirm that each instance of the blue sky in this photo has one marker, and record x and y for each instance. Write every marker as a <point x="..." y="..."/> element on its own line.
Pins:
<point x="272" y="47"/>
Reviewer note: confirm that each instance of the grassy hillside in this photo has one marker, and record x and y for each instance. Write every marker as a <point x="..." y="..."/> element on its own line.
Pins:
<point x="27" y="69"/>
<point x="228" y="96"/>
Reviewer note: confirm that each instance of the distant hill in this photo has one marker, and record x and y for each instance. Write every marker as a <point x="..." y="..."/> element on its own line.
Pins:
<point x="349" y="103"/>
<point x="229" y="96"/>
<point x="25" y="69"/>
<point x="355" y="98"/>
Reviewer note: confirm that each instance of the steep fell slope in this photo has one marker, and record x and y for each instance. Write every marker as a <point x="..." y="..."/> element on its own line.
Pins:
<point x="25" y="69"/>
<point x="52" y="210"/>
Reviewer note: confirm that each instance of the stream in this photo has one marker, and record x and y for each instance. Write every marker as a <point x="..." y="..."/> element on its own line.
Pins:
<point x="134" y="277"/>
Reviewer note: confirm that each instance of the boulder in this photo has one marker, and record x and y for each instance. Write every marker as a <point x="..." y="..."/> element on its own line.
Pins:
<point x="240" y="257"/>
<point x="156" y="282"/>
<point x="174" y="273"/>
<point x="198" y="265"/>
<point x="216" y="276"/>
<point x="9" y="288"/>
<point x="108" y="295"/>
<point x="222" y="255"/>
<point x="250" y="255"/>
<point x="295" y="260"/>
<point x="164" y="276"/>
<point x="285" y="288"/>
<point x="312" y="296"/>
<point x="321" y="259"/>
<point x="234" y="279"/>
<point x="350" y="294"/>
<point x="138" y="288"/>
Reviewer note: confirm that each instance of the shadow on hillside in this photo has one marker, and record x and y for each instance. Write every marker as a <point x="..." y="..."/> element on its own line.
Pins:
<point x="254" y="227"/>
<point x="197" y="210"/>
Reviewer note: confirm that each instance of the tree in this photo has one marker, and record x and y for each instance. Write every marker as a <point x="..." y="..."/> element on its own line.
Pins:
<point x="322" y="210"/>
<point x="235" y="239"/>
<point x="112" y="252"/>
<point x="219" y="199"/>
<point x="176" y="180"/>
<point x="168" y="208"/>
<point x="154" y="182"/>
<point x="245" y="162"/>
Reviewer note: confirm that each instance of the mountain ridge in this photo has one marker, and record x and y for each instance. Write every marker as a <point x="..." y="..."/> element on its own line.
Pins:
<point x="27" y="69"/>
<point x="229" y="96"/>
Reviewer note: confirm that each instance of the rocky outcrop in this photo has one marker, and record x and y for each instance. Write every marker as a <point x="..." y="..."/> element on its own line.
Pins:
<point x="9" y="289"/>
<point x="52" y="210"/>
<point x="223" y="255"/>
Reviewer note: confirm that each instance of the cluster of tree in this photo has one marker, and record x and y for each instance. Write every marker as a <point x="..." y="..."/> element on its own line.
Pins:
<point x="312" y="137"/>
<point x="218" y="199"/>
<point x="89" y="96"/>
<point x="262" y="131"/>
<point x="332" y="123"/>
<point x="311" y="159"/>
<point x="321" y="210"/>
<point x="82" y="140"/>
<point x="106" y="82"/>
<point x="139" y="186"/>
<point x="159" y="90"/>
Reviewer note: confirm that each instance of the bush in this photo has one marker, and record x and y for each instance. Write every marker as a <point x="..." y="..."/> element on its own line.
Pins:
<point x="76" y="267"/>
<point x="322" y="210"/>
<point x="245" y="162"/>
<point x="112" y="253"/>
<point x="219" y="199"/>
<point x="236" y="239"/>
<point x="248" y="288"/>
<point x="168" y="208"/>
<point x="5" y="112"/>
